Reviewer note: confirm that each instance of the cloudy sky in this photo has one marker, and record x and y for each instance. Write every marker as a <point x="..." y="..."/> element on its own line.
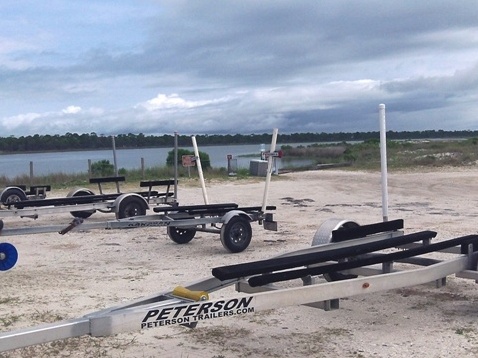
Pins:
<point x="244" y="66"/>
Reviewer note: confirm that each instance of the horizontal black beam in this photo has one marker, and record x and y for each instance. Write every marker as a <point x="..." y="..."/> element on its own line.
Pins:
<point x="343" y="234"/>
<point x="283" y="263"/>
<point x="150" y="183"/>
<point x="255" y="208"/>
<point x="360" y="262"/>
<point x="197" y="208"/>
<point x="84" y="199"/>
<point x="107" y="180"/>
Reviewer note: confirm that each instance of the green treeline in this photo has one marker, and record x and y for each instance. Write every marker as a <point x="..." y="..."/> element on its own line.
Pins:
<point x="73" y="141"/>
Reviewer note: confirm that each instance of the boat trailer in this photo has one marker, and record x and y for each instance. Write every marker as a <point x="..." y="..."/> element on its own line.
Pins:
<point x="353" y="259"/>
<point x="83" y="202"/>
<point x="231" y="222"/>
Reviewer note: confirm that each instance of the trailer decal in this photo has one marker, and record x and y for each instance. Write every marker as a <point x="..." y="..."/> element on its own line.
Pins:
<point x="149" y="224"/>
<point x="195" y="312"/>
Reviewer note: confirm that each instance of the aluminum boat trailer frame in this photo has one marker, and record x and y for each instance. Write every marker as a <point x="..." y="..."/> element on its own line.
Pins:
<point x="231" y="222"/>
<point x="349" y="250"/>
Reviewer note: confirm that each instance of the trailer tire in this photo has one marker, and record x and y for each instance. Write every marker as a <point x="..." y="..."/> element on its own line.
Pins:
<point x="12" y="195"/>
<point x="8" y="256"/>
<point x="181" y="235"/>
<point x="130" y="206"/>
<point x="324" y="236"/>
<point x="83" y="214"/>
<point x="236" y="234"/>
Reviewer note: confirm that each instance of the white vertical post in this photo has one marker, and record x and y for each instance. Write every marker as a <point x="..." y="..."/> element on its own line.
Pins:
<point x="383" y="161"/>
<point x="269" y="168"/>
<point x="201" y="176"/>
<point x="176" y="167"/>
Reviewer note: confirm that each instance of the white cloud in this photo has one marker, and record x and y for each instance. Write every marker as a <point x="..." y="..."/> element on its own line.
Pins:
<point x="173" y="101"/>
<point x="71" y="110"/>
<point x="19" y="121"/>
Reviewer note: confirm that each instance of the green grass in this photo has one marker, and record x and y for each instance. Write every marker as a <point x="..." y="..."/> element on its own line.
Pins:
<point x="400" y="154"/>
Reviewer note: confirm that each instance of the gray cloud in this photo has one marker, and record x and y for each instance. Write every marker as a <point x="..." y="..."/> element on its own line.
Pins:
<point x="238" y="67"/>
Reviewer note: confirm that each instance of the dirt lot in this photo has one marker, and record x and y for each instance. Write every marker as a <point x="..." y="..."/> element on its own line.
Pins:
<point x="62" y="277"/>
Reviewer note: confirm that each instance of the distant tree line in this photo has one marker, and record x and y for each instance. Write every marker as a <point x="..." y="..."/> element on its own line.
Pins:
<point x="91" y="141"/>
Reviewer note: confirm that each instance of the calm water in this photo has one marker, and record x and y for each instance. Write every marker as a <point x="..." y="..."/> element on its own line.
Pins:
<point x="12" y="165"/>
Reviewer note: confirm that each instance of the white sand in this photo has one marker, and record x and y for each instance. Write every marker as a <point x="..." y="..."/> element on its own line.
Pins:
<point x="62" y="277"/>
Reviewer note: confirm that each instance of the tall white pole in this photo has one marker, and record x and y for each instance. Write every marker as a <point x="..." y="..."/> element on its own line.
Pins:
<point x="269" y="168"/>
<point x="383" y="161"/>
<point x="176" y="167"/>
<point x="201" y="176"/>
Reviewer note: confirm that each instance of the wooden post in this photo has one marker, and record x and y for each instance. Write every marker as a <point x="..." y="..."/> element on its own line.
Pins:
<point x="142" y="168"/>
<point x="31" y="173"/>
<point x="114" y="154"/>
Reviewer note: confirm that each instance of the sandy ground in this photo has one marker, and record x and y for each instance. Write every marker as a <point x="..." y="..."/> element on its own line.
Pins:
<point x="62" y="277"/>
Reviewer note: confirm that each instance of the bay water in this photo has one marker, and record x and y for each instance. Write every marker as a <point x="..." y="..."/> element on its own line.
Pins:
<point x="72" y="162"/>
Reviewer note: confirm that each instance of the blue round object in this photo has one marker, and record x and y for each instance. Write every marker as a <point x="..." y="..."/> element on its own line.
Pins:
<point x="8" y="256"/>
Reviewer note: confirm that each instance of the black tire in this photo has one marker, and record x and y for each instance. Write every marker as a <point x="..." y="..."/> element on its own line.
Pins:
<point x="181" y="235"/>
<point x="131" y="206"/>
<point x="236" y="234"/>
<point x="84" y="214"/>
<point x="12" y="195"/>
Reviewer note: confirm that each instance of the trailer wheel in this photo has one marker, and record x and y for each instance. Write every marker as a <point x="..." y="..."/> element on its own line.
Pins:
<point x="8" y="256"/>
<point x="236" y="234"/>
<point x="84" y="214"/>
<point x="181" y="235"/>
<point x="324" y="236"/>
<point x="12" y="195"/>
<point x="131" y="206"/>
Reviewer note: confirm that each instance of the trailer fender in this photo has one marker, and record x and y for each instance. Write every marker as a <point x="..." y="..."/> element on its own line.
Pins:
<point x="84" y="214"/>
<point x="79" y="192"/>
<point x="323" y="236"/>
<point x="230" y="214"/>
<point x="12" y="194"/>
<point x="129" y="205"/>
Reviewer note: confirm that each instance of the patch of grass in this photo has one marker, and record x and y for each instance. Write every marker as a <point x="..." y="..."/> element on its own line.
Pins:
<point x="85" y="346"/>
<point x="8" y="300"/>
<point x="7" y="321"/>
<point x="468" y="332"/>
<point x="46" y="316"/>
<point x="400" y="154"/>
